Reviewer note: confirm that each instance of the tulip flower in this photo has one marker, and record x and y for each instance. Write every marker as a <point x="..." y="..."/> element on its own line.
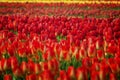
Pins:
<point x="31" y="77"/>
<point x="7" y="77"/>
<point x="101" y="74"/>
<point x="112" y="76"/>
<point x="100" y="54"/>
<point x="24" y="67"/>
<point x="4" y="65"/>
<point x="80" y="74"/>
<point x="63" y="75"/>
<point x="47" y="75"/>
<point x="92" y="51"/>
<point x="13" y="62"/>
<point x="82" y="53"/>
<point x="71" y="72"/>
<point x="17" y="72"/>
<point x="94" y="75"/>
<point x="37" y="68"/>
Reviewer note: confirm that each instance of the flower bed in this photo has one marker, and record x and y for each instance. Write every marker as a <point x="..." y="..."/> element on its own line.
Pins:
<point x="58" y="47"/>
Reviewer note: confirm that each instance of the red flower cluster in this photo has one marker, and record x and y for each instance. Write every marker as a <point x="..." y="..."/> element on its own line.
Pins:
<point x="61" y="9"/>
<point x="59" y="48"/>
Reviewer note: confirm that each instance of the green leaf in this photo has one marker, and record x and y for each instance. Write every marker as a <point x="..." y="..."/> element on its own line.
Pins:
<point x="108" y="55"/>
<point x="40" y="56"/>
<point x="20" y="59"/>
<point x="1" y="76"/>
<point x="6" y="55"/>
<point x="118" y="76"/>
<point x="9" y="71"/>
<point x="74" y="62"/>
<point x="64" y="65"/>
<point x="60" y="37"/>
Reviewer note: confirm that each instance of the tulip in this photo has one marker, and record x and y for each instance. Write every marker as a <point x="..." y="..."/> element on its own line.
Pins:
<point x="114" y="68"/>
<point x="94" y="75"/>
<point x="47" y="75"/>
<point x="13" y="62"/>
<point x="82" y="53"/>
<point x="92" y="51"/>
<point x="4" y="64"/>
<point x="39" y="77"/>
<point x="112" y="77"/>
<point x="80" y="74"/>
<point x="71" y="72"/>
<point x="101" y="74"/>
<point x="24" y="67"/>
<point x="100" y="54"/>
<point x="36" y="68"/>
<point x="63" y="75"/>
<point x="17" y="72"/>
<point x="7" y="77"/>
<point x="31" y="77"/>
<point x="30" y="67"/>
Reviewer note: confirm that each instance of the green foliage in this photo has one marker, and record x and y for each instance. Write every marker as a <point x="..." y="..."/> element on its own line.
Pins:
<point x="73" y="62"/>
<point x="20" y="59"/>
<point x="40" y="56"/>
<point x="64" y="65"/>
<point x="108" y="55"/>
<point x="60" y="37"/>
<point x="6" y="55"/>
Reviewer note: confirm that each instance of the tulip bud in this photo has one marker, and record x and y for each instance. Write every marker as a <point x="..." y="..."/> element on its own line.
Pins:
<point x="82" y="53"/>
<point x="4" y="64"/>
<point x="80" y="74"/>
<point x="31" y="77"/>
<point x="24" y="67"/>
<point x="17" y="72"/>
<point x="13" y="62"/>
<point x="101" y="74"/>
<point x="37" y="68"/>
<point x="39" y="77"/>
<point x="94" y="75"/>
<point x="100" y="54"/>
<point x="7" y="77"/>
<point x="112" y="76"/>
<point x="114" y="68"/>
<point x="92" y="51"/>
<point x="30" y="67"/>
<point x="71" y="72"/>
<point x="63" y="75"/>
<point x="47" y="75"/>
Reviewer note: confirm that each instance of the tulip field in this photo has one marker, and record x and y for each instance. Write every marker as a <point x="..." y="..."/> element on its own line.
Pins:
<point x="59" y="41"/>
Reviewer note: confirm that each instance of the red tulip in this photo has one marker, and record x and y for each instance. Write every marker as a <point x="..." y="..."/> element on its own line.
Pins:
<point x="82" y="53"/>
<point x="4" y="64"/>
<point x="100" y="54"/>
<point x="47" y="75"/>
<point x="13" y="62"/>
<point x="7" y="77"/>
<point x="17" y="72"/>
<point x="80" y="75"/>
<point x="24" y="67"/>
<point x="114" y="68"/>
<point x="112" y="76"/>
<point x="30" y="66"/>
<point x="31" y="77"/>
<point x="94" y="75"/>
<point x="39" y="77"/>
<point x="101" y="74"/>
<point x="71" y="72"/>
<point x="63" y="75"/>
<point x="37" y="68"/>
<point x="92" y="51"/>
